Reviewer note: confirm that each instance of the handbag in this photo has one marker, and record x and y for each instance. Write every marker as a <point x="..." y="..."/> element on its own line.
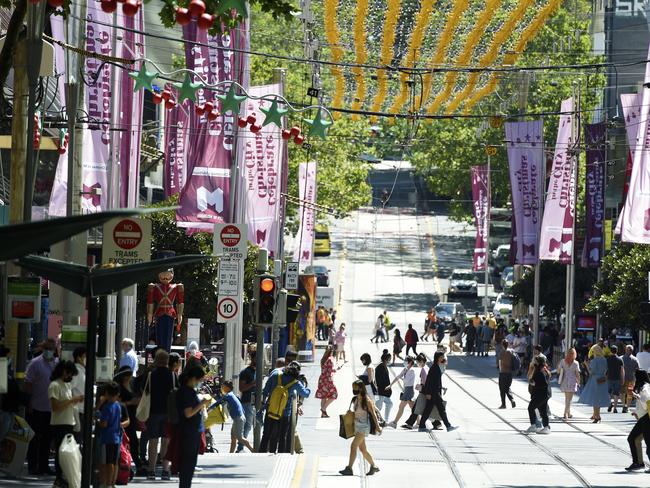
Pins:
<point x="144" y="406"/>
<point x="70" y="461"/>
<point x="601" y="380"/>
<point x="346" y="424"/>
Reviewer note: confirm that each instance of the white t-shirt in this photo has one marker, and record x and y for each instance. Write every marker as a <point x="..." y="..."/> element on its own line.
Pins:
<point x="519" y="345"/>
<point x="641" y="402"/>
<point x="408" y="374"/>
<point x="61" y="391"/>
<point x="644" y="360"/>
<point x="78" y="385"/>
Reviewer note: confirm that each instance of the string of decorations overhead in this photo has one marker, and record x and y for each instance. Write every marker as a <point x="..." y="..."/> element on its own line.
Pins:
<point x="361" y="13"/>
<point x="336" y="52"/>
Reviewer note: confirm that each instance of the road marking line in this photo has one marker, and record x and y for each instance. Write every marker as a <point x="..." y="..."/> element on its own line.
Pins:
<point x="434" y="259"/>
<point x="299" y="470"/>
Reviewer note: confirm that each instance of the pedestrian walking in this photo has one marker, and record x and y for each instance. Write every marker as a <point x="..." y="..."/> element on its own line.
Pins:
<point x="421" y="362"/>
<point x="388" y="325"/>
<point x="129" y="356"/>
<point x="62" y="403"/>
<point x="433" y="392"/>
<point x="368" y="375"/>
<point x="398" y="345"/>
<point x="641" y="428"/>
<point x="499" y="335"/>
<point x="520" y="346"/>
<point x="440" y="332"/>
<point x="455" y="334"/>
<point x="378" y="335"/>
<point x="429" y="325"/>
<point x="484" y="337"/>
<point x="630" y="365"/>
<point x="569" y="379"/>
<point x="365" y="422"/>
<point x="411" y="339"/>
<point x="384" y="392"/>
<point x="190" y="425"/>
<point x="246" y="388"/>
<point x="333" y="317"/>
<point x="320" y="323"/>
<point x="615" y="378"/>
<point x="161" y="383"/>
<point x="406" y="397"/>
<point x="538" y="388"/>
<point x="507" y="363"/>
<point x="326" y="390"/>
<point x="39" y="410"/>
<point x="595" y="391"/>
<point x="470" y="340"/>
<point x="339" y="343"/>
<point x="644" y="358"/>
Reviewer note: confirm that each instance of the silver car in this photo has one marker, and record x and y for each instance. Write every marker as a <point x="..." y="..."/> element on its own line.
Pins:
<point x="462" y="282"/>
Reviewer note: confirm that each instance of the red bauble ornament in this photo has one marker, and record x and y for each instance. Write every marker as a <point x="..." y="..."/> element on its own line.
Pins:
<point x="196" y="8"/>
<point x="242" y="122"/>
<point x="286" y="134"/>
<point x="157" y="98"/>
<point x="299" y="139"/>
<point x="199" y="110"/>
<point x="251" y="119"/>
<point x="169" y="104"/>
<point x="295" y="131"/>
<point x="166" y="94"/>
<point x="130" y="7"/>
<point x="205" y="22"/>
<point x="183" y="16"/>
<point x="208" y="106"/>
<point x="213" y="115"/>
<point x="255" y="128"/>
<point x="61" y="150"/>
<point x="55" y="3"/>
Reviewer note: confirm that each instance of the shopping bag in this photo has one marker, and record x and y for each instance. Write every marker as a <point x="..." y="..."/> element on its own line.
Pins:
<point x="144" y="407"/>
<point x="70" y="461"/>
<point x="13" y="445"/>
<point x="346" y="428"/>
<point x="216" y="416"/>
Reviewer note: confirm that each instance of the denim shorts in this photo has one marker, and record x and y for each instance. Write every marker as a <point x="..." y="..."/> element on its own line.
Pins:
<point x="614" y="387"/>
<point x="361" y="426"/>
<point x="408" y="394"/>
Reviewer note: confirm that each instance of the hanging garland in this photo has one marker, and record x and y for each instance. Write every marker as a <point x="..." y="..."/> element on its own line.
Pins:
<point x="332" y="35"/>
<point x="388" y="41"/>
<point x="498" y="41"/>
<point x="485" y="17"/>
<point x="413" y="54"/>
<point x="361" y="54"/>
<point x="510" y="59"/>
<point x="453" y="19"/>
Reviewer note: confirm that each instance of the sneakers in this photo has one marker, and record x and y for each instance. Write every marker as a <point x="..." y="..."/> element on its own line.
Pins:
<point x="531" y="429"/>
<point x="624" y="409"/>
<point x="406" y="426"/>
<point x="502" y="407"/>
<point x="635" y="467"/>
<point x="512" y="402"/>
<point x="452" y="428"/>
<point x="423" y="429"/>
<point x="615" y="411"/>
<point x="373" y="470"/>
<point x="347" y="471"/>
<point x="392" y="424"/>
<point x="609" y="409"/>
<point x="166" y="476"/>
<point x="544" y="430"/>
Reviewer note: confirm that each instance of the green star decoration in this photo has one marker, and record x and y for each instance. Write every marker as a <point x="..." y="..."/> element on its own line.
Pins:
<point x="187" y="89"/>
<point x="230" y="102"/>
<point x="273" y="114"/>
<point x="239" y="5"/>
<point x="318" y="126"/>
<point x="143" y="78"/>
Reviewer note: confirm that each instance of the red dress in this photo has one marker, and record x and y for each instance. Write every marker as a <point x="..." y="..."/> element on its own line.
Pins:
<point x="326" y="388"/>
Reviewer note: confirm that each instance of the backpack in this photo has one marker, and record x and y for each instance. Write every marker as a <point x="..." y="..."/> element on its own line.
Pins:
<point x="516" y="362"/>
<point x="279" y="398"/>
<point x="124" y="472"/>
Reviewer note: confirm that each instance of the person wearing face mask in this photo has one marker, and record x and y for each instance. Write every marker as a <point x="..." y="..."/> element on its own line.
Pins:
<point x="406" y="397"/>
<point x="432" y="391"/>
<point x="63" y="403"/>
<point x="37" y="381"/>
<point x="78" y="384"/>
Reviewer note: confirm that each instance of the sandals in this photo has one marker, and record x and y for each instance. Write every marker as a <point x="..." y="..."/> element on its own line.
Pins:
<point x="323" y="414"/>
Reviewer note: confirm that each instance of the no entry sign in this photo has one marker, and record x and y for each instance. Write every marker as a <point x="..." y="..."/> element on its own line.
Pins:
<point x="126" y="241"/>
<point x="230" y="240"/>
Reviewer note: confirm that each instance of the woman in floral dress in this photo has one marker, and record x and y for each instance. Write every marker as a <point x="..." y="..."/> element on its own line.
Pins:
<point x="326" y="390"/>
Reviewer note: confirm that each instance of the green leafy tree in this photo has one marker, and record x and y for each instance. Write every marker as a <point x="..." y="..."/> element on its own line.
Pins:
<point x="623" y="286"/>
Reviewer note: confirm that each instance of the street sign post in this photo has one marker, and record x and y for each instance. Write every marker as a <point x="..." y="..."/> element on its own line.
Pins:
<point x="230" y="240"/>
<point x="230" y="290"/>
<point x="126" y="241"/>
<point x="291" y="279"/>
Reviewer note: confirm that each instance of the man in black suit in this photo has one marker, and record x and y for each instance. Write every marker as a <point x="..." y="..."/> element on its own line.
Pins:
<point x="433" y="393"/>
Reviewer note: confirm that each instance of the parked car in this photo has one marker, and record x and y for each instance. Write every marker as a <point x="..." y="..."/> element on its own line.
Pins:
<point x="321" y="273"/>
<point x="451" y="312"/>
<point x="462" y="282"/>
<point x="502" y="306"/>
<point x="501" y="258"/>
<point x="508" y="281"/>
<point x="504" y="274"/>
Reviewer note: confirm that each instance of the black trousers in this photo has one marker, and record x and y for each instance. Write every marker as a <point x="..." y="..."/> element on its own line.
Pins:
<point x="38" y="453"/>
<point x="58" y="434"/>
<point x="187" y="459"/>
<point x="134" y="442"/>
<point x="276" y="435"/>
<point x="641" y="428"/>
<point x="435" y="401"/>
<point x="505" y="382"/>
<point x="411" y="346"/>
<point x="538" y="402"/>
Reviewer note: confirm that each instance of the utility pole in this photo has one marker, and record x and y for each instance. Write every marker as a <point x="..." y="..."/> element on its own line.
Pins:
<point x="262" y="267"/>
<point x="486" y="300"/>
<point x="541" y="185"/>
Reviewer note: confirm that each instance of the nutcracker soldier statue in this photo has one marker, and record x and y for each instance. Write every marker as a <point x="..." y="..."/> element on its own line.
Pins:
<point x="165" y="302"/>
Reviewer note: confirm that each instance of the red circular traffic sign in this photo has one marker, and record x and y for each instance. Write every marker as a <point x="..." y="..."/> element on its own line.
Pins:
<point x="127" y="234"/>
<point x="227" y="308"/>
<point x="230" y="236"/>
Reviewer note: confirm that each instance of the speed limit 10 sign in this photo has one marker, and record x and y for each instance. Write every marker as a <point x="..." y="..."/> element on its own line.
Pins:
<point x="227" y="309"/>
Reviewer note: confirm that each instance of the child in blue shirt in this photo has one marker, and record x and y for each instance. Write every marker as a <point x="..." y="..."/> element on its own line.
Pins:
<point x="110" y="417"/>
<point x="236" y="412"/>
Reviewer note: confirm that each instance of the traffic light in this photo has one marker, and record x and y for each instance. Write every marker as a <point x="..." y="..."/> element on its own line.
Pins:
<point x="265" y="296"/>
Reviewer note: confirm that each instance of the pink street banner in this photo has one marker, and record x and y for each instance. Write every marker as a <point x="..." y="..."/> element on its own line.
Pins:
<point x="556" y="239"/>
<point x="595" y="194"/>
<point x="307" y="195"/>
<point x="205" y="198"/>
<point x="260" y="159"/>
<point x="481" y="195"/>
<point x="177" y="122"/>
<point x="631" y="104"/>
<point x="636" y="217"/>
<point x="98" y="104"/>
<point x="526" y="164"/>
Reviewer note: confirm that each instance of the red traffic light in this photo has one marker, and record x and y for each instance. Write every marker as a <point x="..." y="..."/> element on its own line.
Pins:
<point x="267" y="285"/>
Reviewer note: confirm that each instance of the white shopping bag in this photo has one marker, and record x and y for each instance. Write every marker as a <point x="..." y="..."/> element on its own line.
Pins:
<point x="70" y="461"/>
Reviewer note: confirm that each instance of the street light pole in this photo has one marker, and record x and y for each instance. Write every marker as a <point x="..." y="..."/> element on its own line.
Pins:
<point x="487" y="235"/>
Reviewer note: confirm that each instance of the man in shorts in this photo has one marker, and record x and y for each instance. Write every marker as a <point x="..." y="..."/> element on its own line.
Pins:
<point x="630" y="365"/>
<point x="615" y="377"/>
